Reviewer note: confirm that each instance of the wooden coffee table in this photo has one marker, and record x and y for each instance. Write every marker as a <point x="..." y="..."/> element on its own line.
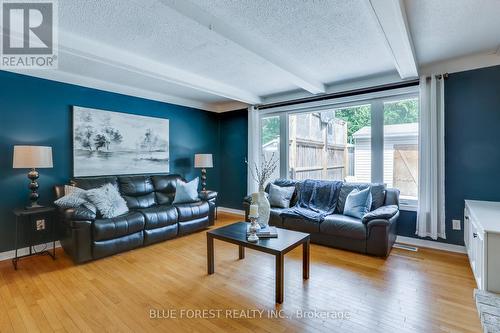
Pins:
<point x="287" y="240"/>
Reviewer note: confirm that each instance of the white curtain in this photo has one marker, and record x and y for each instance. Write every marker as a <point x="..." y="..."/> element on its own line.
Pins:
<point x="253" y="147"/>
<point x="431" y="213"/>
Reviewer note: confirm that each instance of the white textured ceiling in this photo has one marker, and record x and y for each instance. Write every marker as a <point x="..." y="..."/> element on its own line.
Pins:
<point x="334" y="40"/>
<point x="444" y="29"/>
<point x="150" y="48"/>
<point x="153" y="30"/>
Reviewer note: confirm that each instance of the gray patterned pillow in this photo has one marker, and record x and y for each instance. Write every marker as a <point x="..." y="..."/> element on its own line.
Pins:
<point x="108" y="201"/>
<point x="280" y="196"/>
<point x="74" y="197"/>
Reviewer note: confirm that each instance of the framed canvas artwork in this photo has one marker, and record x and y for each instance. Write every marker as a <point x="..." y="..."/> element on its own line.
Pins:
<point x="114" y="143"/>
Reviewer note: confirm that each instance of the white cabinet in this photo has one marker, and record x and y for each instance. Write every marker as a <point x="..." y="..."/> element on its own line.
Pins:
<point x="482" y="240"/>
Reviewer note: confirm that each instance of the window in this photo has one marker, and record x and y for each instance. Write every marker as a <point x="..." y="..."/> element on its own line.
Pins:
<point x="373" y="140"/>
<point x="401" y="146"/>
<point x="270" y="141"/>
<point x="322" y="144"/>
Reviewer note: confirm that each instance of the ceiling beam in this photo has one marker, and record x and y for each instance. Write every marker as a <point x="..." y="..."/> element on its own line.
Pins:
<point x="102" y="53"/>
<point x="393" y="23"/>
<point x="258" y="46"/>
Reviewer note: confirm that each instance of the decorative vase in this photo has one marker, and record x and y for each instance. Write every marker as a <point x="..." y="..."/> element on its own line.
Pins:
<point x="254" y="227"/>
<point x="260" y="199"/>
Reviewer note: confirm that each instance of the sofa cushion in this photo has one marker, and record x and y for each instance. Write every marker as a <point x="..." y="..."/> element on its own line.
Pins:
<point x="186" y="227"/>
<point x="377" y="191"/>
<point x="299" y="224"/>
<point x="108" y="247"/>
<point x="160" y="234"/>
<point x="165" y="188"/>
<point x="159" y="216"/>
<point x="138" y="191"/>
<point x="191" y="211"/>
<point x="126" y="224"/>
<point x="343" y="226"/>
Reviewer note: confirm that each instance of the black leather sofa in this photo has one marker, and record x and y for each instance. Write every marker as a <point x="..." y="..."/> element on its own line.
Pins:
<point x="152" y="217"/>
<point x="374" y="235"/>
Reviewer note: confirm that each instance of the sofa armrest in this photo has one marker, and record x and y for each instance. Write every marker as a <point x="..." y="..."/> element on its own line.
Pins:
<point x="381" y="235"/>
<point x="381" y="213"/>
<point x="76" y="240"/>
<point x="207" y="195"/>
<point x="391" y="197"/>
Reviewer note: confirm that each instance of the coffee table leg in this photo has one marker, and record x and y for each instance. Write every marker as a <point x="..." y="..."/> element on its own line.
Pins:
<point x="305" y="260"/>
<point x="241" y="252"/>
<point x="210" y="254"/>
<point x="279" y="277"/>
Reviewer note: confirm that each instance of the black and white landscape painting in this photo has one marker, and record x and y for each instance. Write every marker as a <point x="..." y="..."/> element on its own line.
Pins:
<point x="113" y="143"/>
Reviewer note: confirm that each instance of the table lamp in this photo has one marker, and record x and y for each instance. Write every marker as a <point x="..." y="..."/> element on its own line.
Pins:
<point x="32" y="157"/>
<point x="203" y="161"/>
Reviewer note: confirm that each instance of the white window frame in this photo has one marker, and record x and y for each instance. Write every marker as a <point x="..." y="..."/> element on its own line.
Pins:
<point x="376" y="100"/>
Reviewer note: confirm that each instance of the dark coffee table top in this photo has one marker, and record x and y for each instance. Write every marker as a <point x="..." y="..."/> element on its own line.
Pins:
<point x="236" y="233"/>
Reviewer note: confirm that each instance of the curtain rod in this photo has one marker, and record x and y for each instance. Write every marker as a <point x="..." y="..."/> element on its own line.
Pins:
<point x="347" y="93"/>
<point x="439" y="76"/>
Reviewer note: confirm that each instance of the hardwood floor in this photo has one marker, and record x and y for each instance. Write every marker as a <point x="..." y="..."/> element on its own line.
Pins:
<point x="426" y="291"/>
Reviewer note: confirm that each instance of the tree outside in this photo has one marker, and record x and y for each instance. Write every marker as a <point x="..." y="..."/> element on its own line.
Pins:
<point x="270" y="129"/>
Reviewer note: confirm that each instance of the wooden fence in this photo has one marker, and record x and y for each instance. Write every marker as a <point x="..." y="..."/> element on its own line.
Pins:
<point x="327" y="158"/>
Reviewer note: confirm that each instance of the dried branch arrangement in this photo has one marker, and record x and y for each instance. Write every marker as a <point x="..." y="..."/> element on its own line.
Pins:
<point x="262" y="174"/>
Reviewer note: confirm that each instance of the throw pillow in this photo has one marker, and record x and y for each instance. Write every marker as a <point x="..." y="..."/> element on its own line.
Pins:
<point x="280" y="196"/>
<point x="186" y="192"/>
<point x="377" y="191"/>
<point x="108" y="201"/>
<point x="358" y="203"/>
<point x="74" y="197"/>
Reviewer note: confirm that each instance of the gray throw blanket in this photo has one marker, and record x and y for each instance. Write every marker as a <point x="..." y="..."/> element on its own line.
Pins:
<point x="317" y="199"/>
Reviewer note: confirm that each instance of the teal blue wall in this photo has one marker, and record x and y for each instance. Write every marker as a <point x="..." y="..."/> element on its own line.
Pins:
<point x="233" y="151"/>
<point x="472" y="141"/>
<point x="38" y="112"/>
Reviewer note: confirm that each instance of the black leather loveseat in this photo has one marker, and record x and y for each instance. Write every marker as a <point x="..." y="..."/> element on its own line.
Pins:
<point x="152" y="217"/>
<point x="373" y="235"/>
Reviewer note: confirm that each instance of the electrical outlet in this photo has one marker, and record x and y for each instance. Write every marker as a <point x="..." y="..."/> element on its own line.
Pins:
<point x="40" y="225"/>
<point x="456" y="225"/>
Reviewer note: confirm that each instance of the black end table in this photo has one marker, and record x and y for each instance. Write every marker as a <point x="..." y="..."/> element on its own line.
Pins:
<point x="31" y="215"/>
<point x="287" y="240"/>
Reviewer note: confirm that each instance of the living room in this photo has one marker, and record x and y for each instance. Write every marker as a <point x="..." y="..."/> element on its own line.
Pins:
<point x="302" y="166"/>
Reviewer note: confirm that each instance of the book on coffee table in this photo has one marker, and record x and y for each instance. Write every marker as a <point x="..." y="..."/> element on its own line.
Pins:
<point x="266" y="232"/>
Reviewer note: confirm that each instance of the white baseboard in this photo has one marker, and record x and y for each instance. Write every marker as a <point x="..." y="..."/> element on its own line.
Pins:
<point x="231" y="211"/>
<point x="431" y="244"/>
<point x="25" y="250"/>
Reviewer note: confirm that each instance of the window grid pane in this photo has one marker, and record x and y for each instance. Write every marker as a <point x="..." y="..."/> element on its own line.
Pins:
<point x="323" y="144"/>
<point x="401" y="146"/>
<point x="270" y="142"/>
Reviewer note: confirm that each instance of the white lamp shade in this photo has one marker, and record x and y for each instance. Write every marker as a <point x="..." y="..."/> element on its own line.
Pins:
<point x="203" y="161"/>
<point x="30" y="157"/>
